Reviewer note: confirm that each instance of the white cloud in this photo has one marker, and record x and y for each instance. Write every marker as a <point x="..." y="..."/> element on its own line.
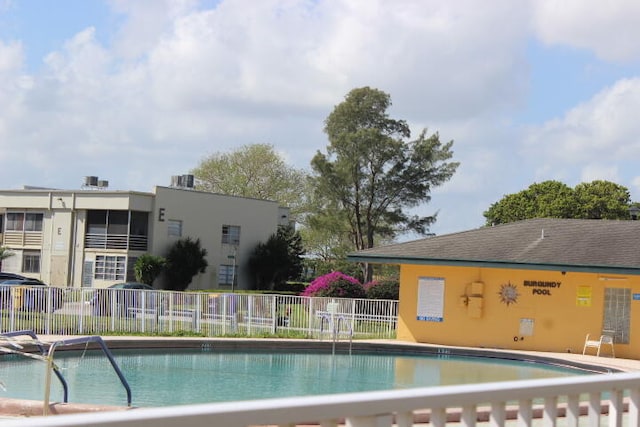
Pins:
<point x="246" y="72"/>
<point x="144" y="23"/>
<point x="635" y="182"/>
<point x="300" y="55"/>
<point x="12" y="84"/>
<point x="610" y="29"/>
<point x="11" y="57"/>
<point x="605" y="128"/>
<point x="593" y="172"/>
<point x="596" y="140"/>
<point x="177" y="81"/>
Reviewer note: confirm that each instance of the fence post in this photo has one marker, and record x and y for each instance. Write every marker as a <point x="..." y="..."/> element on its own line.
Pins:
<point x="353" y="315"/>
<point x="249" y="318"/>
<point x="310" y="306"/>
<point x="198" y="313"/>
<point x="274" y="313"/>
<point x="143" y="311"/>
<point x="48" y="311"/>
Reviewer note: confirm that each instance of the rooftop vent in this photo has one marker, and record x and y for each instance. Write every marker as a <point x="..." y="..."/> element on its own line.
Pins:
<point x="93" y="183"/>
<point x="182" y="181"/>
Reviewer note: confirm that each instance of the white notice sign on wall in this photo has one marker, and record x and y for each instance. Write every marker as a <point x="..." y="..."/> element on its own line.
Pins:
<point x="431" y="299"/>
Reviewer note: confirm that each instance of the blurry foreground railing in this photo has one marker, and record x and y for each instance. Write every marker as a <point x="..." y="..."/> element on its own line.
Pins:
<point x="49" y="310"/>
<point x="592" y="400"/>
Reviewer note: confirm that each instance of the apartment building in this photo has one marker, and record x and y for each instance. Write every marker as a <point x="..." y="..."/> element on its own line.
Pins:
<point x="92" y="237"/>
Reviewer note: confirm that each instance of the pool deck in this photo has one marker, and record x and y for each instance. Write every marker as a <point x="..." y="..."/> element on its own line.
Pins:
<point x="21" y="408"/>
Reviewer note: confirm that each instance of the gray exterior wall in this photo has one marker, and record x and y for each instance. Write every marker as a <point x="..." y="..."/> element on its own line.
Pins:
<point x="65" y="260"/>
<point x="203" y="215"/>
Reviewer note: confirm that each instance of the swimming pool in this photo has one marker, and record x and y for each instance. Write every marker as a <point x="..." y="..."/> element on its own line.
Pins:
<point x="187" y="376"/>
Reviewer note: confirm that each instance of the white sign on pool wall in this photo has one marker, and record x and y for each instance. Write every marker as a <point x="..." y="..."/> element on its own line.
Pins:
<point x="431" y="299"/>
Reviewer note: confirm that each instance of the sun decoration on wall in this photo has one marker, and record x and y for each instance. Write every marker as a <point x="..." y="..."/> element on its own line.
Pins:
<point x="508" y="294"/>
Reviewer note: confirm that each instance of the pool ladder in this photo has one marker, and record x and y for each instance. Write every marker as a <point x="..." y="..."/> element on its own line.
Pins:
<point x="334" y="322"/>
<point x="47" y="356"/>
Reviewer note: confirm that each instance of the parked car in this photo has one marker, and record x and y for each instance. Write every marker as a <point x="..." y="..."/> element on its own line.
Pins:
<point x="132" y="285"/>
<point x="30" y="295"/>
<point x="125" y="297"/>
<point x="10" y="276"/>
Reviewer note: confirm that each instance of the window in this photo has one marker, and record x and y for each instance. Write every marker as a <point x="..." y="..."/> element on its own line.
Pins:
<point x="617" y="313"/>
<point x="139" y="223"/>
<point x="227" y="274"/>
<point x="118" y="222"/>
<point x="131" y="269"/>
<point x="231" y="234"/>
<point x="15" y="221"/>
<point x="117" y="229"/>
<point x="33" y="222"/>
<point x="31" y="262"/>
<point x="174" y="227"/>
<point x="97" y="222"/>
<point x="20" y="221"/>
<point x="110" y="267"/>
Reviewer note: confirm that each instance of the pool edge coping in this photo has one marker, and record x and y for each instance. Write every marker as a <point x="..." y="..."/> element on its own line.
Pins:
<point x="27" y="408"/>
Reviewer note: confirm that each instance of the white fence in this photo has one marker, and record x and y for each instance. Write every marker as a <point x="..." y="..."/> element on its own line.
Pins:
<point x="593" y="400"/>
<point x="99" y="312"/>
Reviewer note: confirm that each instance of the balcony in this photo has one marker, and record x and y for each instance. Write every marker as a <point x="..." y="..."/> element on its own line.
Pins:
<point x="116" y="241"/>
<point x="15" y="239"/>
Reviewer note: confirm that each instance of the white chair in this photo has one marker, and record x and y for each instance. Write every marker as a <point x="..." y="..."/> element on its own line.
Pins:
<point x="605" y="339"/>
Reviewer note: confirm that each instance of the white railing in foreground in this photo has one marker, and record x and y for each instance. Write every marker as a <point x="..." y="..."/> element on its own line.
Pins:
<point x="501" y="400"/>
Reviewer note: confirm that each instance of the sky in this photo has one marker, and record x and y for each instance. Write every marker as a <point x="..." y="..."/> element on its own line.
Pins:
<point x="137" y="91"/>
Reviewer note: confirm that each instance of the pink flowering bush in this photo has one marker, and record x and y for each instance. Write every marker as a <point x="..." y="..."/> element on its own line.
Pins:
<point x="335" y="284"/>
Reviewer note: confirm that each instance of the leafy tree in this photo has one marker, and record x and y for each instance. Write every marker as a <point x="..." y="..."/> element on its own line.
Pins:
<point x="327" y="247"/>
<point x="295" y="251"/>
<point x="253" y="171"/>
<point x="548" y="199"/>
<point x="148" y="267"/>
<point x="602" y="200"/>
<point x="5" y="253"/>
<point x="185" y="259"/>
<point x="278" y="259"/>
<point x="371" y="174"/>
<point x="553" y="199"/>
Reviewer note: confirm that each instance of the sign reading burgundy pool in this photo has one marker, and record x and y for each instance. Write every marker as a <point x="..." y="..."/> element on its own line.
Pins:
<point x="178" y="377"/>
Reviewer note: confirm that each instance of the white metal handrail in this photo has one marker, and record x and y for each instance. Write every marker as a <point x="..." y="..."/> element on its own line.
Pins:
<point x="385" y="408"/>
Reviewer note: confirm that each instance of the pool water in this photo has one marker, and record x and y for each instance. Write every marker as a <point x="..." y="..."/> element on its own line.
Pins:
<point x="177" y="377"/>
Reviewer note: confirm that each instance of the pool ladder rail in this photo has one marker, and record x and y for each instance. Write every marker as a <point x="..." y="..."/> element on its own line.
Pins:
<point x="9" y="345"/>
<point x="334" y="322"/>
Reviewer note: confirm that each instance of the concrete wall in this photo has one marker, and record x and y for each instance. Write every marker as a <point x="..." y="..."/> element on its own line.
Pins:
<point x="551" y="311"/>
<point x="203" y="215"/>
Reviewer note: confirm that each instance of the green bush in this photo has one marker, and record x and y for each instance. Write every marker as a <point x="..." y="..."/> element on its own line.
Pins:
<point x="293" y="287"/>
<point x="385" y="289"/>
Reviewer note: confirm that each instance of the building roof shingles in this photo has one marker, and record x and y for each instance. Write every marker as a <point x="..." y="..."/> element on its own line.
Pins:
<point x="541" y="241"/>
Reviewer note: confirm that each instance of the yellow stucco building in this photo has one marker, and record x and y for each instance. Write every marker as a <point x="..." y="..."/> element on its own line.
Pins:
<point x="540" y="284"/>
